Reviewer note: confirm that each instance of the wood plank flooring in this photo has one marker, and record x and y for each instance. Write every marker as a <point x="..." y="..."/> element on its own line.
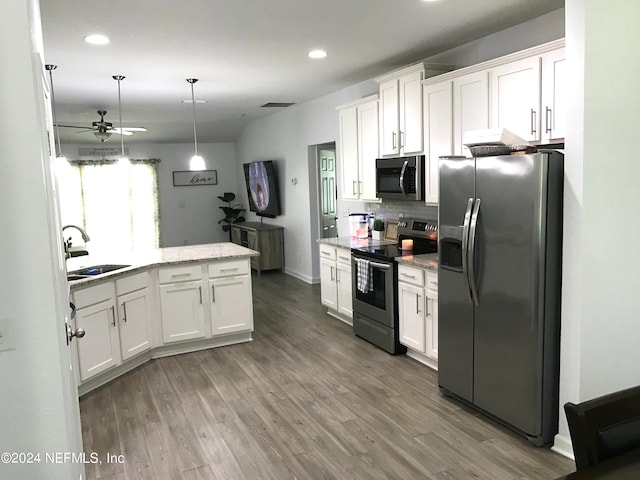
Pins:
<point x="305" y="400"/>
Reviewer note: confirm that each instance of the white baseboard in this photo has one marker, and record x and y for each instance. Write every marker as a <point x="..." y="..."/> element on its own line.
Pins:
<point x="562" y="445"/>
<point x="422" y="358"/>
<point x="348" y="321"/>
<point x="301" y="276"/>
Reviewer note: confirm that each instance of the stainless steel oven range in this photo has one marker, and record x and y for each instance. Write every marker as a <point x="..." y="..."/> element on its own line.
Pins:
<point x="374" y="282"/>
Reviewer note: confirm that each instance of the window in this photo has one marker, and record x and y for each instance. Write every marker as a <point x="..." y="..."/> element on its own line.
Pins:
<point x="116" y="204"/>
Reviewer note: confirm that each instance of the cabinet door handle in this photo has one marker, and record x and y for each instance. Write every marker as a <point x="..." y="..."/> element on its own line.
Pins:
<point x="401" y="139"/>
<point x="533" y="121"/>
<point x="426" y="306"/>
<point x="393" y="140"/>
<point x="177" y="275"/>
<point x="353" y="188"/>
<point x="113" y="315"/>
<point x="124" y="312"/>
<point x="332" y="274"/>
<point x="417" y="303"/>
<point x="360" y="187"/>
<point x="228" y="269"/>
<point x="407" y="275"/>
<point x="200" y="290"/>
<point x="213" y="293"/>
<point x="547" y="119"/>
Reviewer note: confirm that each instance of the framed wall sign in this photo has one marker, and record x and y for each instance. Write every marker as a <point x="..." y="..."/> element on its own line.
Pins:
<point x="191" y="178"/>
<point x="391" y="231"/>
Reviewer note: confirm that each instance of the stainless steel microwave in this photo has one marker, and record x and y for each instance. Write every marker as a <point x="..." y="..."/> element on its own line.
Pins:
<point x="400" y="178"/>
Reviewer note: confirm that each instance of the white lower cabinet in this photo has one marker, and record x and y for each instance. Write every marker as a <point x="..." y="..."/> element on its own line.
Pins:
<point x="182" y="303"/>
<point x="182" y="310"/>
<point x="134" y="314"/>
<point x="411" y="313"/>
<point x="335" y="282"/>
<point x="418" y="312"/>
<point x="99" y="349"/>
<point x="230" y="293"/>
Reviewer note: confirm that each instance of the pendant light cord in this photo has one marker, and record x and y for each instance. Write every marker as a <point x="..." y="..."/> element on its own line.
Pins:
<point x="193" y="103"/>
<point x="51" y="68"/>
<point x="119" y="78"/>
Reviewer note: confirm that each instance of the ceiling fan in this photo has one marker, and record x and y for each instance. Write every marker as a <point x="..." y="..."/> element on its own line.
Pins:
<point x="103" y="129"/>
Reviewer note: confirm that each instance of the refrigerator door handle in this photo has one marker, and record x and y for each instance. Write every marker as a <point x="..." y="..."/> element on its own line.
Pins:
<point x="472" y="252"/>
<point x="404" y="168"/>
<point x="465" y="247"/>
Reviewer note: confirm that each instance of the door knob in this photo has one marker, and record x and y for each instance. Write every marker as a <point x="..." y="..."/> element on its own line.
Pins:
<point x="78" y="332"/>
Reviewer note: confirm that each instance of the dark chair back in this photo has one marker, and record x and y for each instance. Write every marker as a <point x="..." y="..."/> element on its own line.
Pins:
<point x="604" y="427"/>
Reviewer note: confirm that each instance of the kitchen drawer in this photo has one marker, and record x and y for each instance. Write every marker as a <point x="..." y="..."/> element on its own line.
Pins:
<point x="131" y="283"/>
<point x="92" y="295"/>
<point x="185" y="273"/>
<point x="226" y="269"/>
<point x="410" y="275"/>
<point x="327" y="251"/>
<point x="344" y="255"/>
<point x="432" y="281"/>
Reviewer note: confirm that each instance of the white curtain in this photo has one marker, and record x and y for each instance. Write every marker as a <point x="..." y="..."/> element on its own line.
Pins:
<point x="115" y="202"/>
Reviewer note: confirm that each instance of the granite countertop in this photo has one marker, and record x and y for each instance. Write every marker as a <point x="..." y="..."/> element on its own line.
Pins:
<point x="139" y="261"/>
<point x="349" y="242"/>
<point x="428" y="261"/>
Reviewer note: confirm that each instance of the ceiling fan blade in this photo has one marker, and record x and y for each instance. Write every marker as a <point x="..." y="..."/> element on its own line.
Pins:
<point x="85" y="130"/>
<point x="135" y="129"/>
<point x="117" y="131"/>
<point x="73" y="126"/>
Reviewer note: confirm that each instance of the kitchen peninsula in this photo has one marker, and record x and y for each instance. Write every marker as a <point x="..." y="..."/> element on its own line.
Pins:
<point x="162" y="302"/>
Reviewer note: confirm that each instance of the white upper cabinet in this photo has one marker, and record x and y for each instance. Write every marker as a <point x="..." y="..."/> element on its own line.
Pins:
<point x="389" y="118"/>
<point x="367" y="149"/>
<point x="358" y="149"/>
<point x="438" y="133"/>
<point x="401" y="127"/>
<point x="349" y="151"/>
<point x="470" y="107"/>
<point x="515" y="94"/>
<point x="553" y="95"/>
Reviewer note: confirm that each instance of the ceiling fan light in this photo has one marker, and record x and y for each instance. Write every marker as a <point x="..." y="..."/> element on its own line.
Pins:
<point x="197" y="163"/>
<point x="102" y="136"/>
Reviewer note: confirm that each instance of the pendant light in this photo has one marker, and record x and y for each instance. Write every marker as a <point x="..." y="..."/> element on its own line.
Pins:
<point x="50" y="68"/>
<point x="197" y="162"/>
<point x="123" y="157"/>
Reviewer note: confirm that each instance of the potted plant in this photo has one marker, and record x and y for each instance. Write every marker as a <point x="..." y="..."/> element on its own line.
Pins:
<point x="232" y="212"/>
<point x="378" y="229"/>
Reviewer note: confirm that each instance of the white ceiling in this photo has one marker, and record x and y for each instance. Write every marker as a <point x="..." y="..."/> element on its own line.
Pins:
<point x="245" y="53"/>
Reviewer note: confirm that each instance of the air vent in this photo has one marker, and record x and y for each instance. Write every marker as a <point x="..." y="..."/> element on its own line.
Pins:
<point x="277" y="105"/>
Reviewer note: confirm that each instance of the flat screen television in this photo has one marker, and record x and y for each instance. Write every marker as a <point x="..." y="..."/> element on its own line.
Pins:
<point x="261" y="180"/>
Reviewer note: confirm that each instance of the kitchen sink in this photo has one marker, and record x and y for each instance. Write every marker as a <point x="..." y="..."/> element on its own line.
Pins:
<point x="71" y="277"/>
<point x="94" y="270"/>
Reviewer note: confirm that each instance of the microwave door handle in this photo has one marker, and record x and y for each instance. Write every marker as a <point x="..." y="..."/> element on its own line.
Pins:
<point x="404" y="168"/>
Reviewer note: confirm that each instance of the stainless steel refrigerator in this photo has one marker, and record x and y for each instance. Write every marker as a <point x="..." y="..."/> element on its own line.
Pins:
<point x="500" y="240"/>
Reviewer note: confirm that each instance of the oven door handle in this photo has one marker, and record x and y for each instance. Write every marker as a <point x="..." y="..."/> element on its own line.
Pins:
<point x="382" y="266"/>
<point x="404" y="168"/>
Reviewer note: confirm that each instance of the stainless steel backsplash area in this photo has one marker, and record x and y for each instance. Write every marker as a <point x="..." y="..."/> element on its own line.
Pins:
<point x="392" y="210"/>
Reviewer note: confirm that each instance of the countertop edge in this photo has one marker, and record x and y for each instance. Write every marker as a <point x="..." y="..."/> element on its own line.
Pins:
<point x="155" y="263"/>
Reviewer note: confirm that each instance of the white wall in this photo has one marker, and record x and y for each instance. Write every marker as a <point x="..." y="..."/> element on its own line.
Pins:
<point x="600" y="351"/>
<point x="188" y="215"/>
<point x="286" y="136"/>
<point x="35" y="382"/>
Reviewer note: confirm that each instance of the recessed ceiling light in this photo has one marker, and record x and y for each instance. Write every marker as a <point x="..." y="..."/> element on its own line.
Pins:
<point x="189" y="101"/>
<point x="317" y="54"/>
<point x="96" y="39"/>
